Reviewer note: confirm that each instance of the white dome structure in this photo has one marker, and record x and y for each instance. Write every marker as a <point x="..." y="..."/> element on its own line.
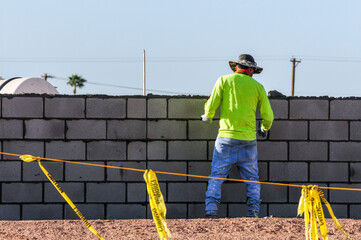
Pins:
<point x="27" y="85"/>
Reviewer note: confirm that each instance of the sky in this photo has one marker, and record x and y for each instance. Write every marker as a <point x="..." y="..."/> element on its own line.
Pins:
<point x="188" y="44"/>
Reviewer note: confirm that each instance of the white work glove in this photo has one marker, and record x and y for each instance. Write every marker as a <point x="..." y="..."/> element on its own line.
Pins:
<point x="205" y="119"/>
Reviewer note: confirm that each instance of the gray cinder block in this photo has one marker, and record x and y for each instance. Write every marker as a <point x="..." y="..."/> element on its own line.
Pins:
<point x="72" y="150"/>
<point x="343" y="196"/>
<point x="84" y="173"/>
<point x="175" y="211"/>
<point x="157" y="150"/>
<point x="42" y="211"/>
<point x="234" y="192"/>
<point x="280" y="108"/>
<point x="21" y="192"/>
<point x="202" y="130"/>
<point x="199" y="168"/>
<point x="157" y="108"/>
<point x="355" y="173"/>
<point x="328" y="130"/>
<point x="355" y="211"/>
<point x="308" y="109"/>
<point x="60" y="107"/>
<point x="106" y="150"/>
<point x="273" y="193"/>
<point x="126" y="129"/>
<point x="187" y="150"/>
<point x="172" y="167"/>
<point x="137" y="150"/>
<point x="105" y="192"/>
<point x="186" y="192"/>
<point x="137" y="192"/>
<point x="10" y="171"/>
<point x="75" y="191"/>
<point x="345" y="109"/>
<point x="10" y="212"/>
<point x="32" y="171"/>
<point x="345" y="151"/>
<point x="308" y="151"/>
<point x="44" y="129"/>
<point x="328" y="172"/>
<point x="35" y="148"/>
<point x="181" y="108"/>
<point x="126" y="211"/>
<point x="272" y="150"/>
<point x="11" y="129"/>
<point x="86" y="129"/>
<point x="125" y="175"/>
<point x="89" y="211"/>
<point x="355" y="130"/>
<point x="289" y="130"/>
<point x="196" y="210"/>
<point x="105" y="108"/>
<point x="137" y="108"/>
<point x="167" y="129"/>
<point x="290" y="172"/>
<point x="22" y="107"/>
<point x="283" y="210"/>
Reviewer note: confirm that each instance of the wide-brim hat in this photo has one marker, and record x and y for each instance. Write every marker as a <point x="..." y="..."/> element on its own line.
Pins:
<point x="245" y="60"/>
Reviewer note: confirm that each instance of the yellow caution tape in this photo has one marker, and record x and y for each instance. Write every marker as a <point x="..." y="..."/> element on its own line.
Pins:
<point x="310" y="205"/>
<point x="157" y="204"/>
<point x="29" y="158"/>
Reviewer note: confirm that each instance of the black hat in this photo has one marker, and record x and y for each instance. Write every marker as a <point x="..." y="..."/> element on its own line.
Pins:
<point x="245" y="60"/>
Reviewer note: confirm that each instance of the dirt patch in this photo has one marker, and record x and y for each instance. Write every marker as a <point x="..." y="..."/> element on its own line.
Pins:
<point x="199" y="229"/>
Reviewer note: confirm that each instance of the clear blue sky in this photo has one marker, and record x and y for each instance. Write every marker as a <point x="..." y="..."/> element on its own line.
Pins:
<point x="188" y="43"/>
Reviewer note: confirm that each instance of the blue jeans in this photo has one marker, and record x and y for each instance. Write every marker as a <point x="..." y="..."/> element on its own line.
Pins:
<point x="243" y="154"/>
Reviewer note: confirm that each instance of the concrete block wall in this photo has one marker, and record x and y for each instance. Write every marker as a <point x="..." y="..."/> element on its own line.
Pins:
<point x="312" y="141"/>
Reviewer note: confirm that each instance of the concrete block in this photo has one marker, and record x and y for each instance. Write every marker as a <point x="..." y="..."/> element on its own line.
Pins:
<point x="241" y="210"/>
<point x="32" y="171"/>
<point x="75" y="191"/>
<point x="289" y="172"/>
<point x="105" y="192"/>
<point x="124" y="175"/>
<point x="157" y="108"/>
<point x="342" y="196"/>
<point x="339" y="210"/>
<point x="44" y="129"/>
<point x="21" y="192"/>
<point x="186" y="192"/>
<point x="9" y="212"/>
<point x="329" y="172"/>
<point x="283" y="210"/>
<point x="345" y="151"/>
<point x="175" y="211"/>
<point x="273" y="193"/>
<point x="72" y="150"/>
<point x="308" y="151"/>
<point x="167" y="129"/>
<point x="126" y="211"/>
<point x="137" y="150"/>
<point x="210" y="150"/>
<point x="355" y="131"/>
<point x="272" y="150"/>
<point x="187" y="150"/>
<point x="83" y="173"/>
<point x="157" y="150"/>
<point x="233" y="192"/>
<point x="172" y="167"/>
<point x="289" y="130"/>
<point x="126" y="129"/>
<point x="89" y="211"/>
<point x="137" y="192"/>
<point x="105" y="108"/>
<point x="35" y="148"/>
<point x="42" y="211"/>
<point x="86" y="129"/>
<point x="22" y="107"/>
<point x="68" y="107"/>
<point x="106" y="150"/>
<point x="196" y="210"/>
<point x="137" y="108"/>
<point x="355" y="211"/>
<point x="345" y="109"/>
<point x="355" y="172"/>
<point x="280" y="108"/>
<point x="199" y="168"/>
<point x="201" y="130"/>
<point x="308" y="109"/>
<point x="328" y="130"/>
<point x="182" y="108"/>
<point x="10" y="171"/>
<point x="11" y="129"/>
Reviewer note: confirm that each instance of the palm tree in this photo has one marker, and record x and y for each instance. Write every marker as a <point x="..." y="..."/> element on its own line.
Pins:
<point x="76" y="81"/>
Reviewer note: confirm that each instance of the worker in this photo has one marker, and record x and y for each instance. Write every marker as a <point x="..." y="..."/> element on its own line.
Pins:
<point x="239" y="95"/>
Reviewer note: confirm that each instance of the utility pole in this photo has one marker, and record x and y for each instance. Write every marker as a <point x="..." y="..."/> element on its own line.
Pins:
<point x="294" y="65"/>
<point x="144" y="93"/>
<point x="46" y="76"/>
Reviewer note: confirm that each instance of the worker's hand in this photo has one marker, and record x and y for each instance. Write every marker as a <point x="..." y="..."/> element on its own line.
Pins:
<point x="205" y="119"/>
<point x="261" y="132"/>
